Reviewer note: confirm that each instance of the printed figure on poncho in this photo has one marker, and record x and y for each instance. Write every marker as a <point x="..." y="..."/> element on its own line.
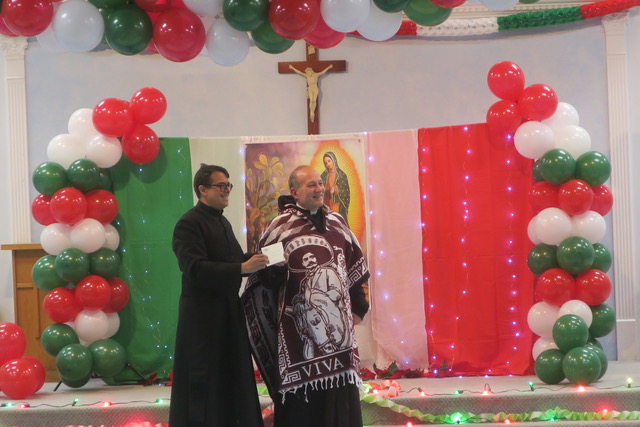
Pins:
<point x="319" y="309"/>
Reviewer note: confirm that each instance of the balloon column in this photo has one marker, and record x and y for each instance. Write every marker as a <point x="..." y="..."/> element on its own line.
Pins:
<point x="570" y="199"/>
<point x="20" y="375"/>
<point x="76" y="206"/>
<point x="180" y="29"/>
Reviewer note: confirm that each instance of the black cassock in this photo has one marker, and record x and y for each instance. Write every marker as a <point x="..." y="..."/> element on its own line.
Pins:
<point x="213" y="379"/>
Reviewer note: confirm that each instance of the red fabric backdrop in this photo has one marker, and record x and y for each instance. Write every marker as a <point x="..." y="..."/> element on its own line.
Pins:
<point x="478" y="289"/>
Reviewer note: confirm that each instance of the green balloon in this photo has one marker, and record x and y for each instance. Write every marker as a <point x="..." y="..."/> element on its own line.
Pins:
<point x="528" y="1"/>
<point x="57" y="336"/>
<point x="548" y="366"/>
<point x="593" y="341"/>
<point x="604" y="362"/>
<point x="49" y="177"/>
<point x="424" y="12"/>
<point x="44" y="274"/>
<point x="75" y="383"/>
<point x="109" y="357"/>
<point x="104" y="262"/>
<point x="542" y="257"/>
<point x="108" y="4"/>
<point x="245" y="15"/>
<point x="581" y="366"/>
<point x="575" y="254"/>
<point x="602" y="257"/>
<point x="105" y="182"/>
<point x="267" y="40"/>
<point x="128" y="29"/>
<point x="593" y="167"/>
<point x="604" y="320"/>
<point x="570" y="331"/>
<point x="557" y="166"/>
<point x="72" y="264"/>
<point x="537" y="171"/>
<point x="74" y="362"/>
<point x="84" y="175"/>
<point x="391" y="6"/>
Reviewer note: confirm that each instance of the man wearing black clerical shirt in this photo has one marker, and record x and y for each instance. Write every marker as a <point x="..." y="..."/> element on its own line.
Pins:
<point x="213" y="379"/>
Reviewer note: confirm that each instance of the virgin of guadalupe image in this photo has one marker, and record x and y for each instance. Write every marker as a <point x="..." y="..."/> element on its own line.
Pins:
<point x="337" y="195"/>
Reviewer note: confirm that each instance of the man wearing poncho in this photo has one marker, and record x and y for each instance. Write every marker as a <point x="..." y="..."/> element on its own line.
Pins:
<point x="301" y="316"/>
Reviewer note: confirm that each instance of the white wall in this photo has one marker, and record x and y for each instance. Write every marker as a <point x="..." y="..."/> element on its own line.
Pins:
<point x="400" y="84"/>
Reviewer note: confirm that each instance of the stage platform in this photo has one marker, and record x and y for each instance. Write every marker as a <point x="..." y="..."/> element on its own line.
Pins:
<point x="490" y="401"/>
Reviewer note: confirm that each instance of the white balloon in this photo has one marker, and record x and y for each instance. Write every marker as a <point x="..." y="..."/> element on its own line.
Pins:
<point x="574" y="139"/>
<point x="499" y="5"/>
<point x="553" y="225"/>
<point x="88" y="235"/>
<point x="345" y="16"/>
<point x="65" y="149"/>
<point x="579" y="308"/>
<point x="590" y="225"/>
<point x="541" y="319"/>
<point x="564" y="115"/>
<point x="204" y="7"/>
<point x="226" y="45"/>
<point x="532" y="139"/>
<point x="112" y="238"/>
<point x="380" y="25"/>
<point x="91" y="325"/>
<point x="104" y="151"/>
<point x="542" y="344"/>
<point x="531" y="231"/>
<point x="78" y="25"/>
<point x="55" y="238"/>
<point x="47" y="39"/>
<point x="114" y="324"/>
<point x="81" y="124"/>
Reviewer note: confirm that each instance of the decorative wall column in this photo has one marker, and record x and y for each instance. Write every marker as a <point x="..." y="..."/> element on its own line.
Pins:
<point x="619" y="154"/>
<point x="14" y="53"/>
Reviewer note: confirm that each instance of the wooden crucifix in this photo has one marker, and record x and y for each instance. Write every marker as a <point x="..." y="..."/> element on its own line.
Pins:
<point x="312" y="69"/>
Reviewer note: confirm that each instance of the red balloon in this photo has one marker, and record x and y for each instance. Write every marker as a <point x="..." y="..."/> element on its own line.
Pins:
<point x="179" y="35"/>
<point x="602" y="199"/>
<point x="323" y="36"/>
<point x="4" y="30"/>
<point x="294" y="19"/>
<point x="68" y="205"/>
<point x="93" y="292"/>
<point x="506" y="80"/>
<point x="575" y="197"/>
<point x="503" y="119"/>
<point x="449" y="4"/>
<point x="12" y="341"/>
<point x="119" y="295"/>
<point x="153" y="5"/>
<point x="112" y="117"/>
<point x="19" y="378"/>
<point x="538" y="102"/>
<point x="141" y="145"/>
<point x="102" y="206"/>
<point x="41" y="210"/>
<point x="27" y="17"/>
<point x="60" y="305"/>
<point x="593" y="287"/>
<point x="148" y="105"/>
<point x="555" y="286"/>
<point x="41" y="372"/>
<point x="544" y="195"/>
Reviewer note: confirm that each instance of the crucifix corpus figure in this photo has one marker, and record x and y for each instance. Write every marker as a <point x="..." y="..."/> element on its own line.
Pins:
<point x="312" y="69"/>
<point x="312" y="87"/>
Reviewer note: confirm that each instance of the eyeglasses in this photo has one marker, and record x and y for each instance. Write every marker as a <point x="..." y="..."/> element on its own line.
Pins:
<point x="222" y="186"/>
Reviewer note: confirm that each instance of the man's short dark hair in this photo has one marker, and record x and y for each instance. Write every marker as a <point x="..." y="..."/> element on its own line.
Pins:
<point x="203" y="176"/>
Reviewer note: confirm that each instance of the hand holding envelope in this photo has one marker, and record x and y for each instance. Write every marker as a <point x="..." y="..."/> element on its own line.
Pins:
<point x="275" y="253"/>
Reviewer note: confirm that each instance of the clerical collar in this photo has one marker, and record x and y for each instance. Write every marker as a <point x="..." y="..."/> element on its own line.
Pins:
<point x="307" y="210"/>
